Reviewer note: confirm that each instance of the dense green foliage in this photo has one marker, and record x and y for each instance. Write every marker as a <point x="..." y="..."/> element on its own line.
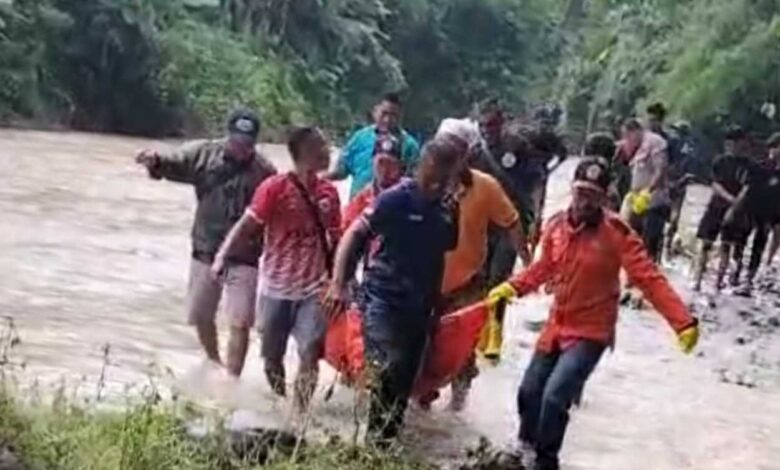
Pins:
<point x="162" y="67"/>
<point x="167" y="66"/>
<point x="713" y="62"/>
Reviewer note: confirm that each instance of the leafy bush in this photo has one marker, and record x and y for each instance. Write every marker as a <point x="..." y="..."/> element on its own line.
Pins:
<point x="207" y="72"/>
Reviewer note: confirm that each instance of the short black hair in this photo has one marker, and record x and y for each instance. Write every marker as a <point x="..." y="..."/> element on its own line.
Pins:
<point x="658" y="110"/>
<point x="735" y="133"/>
<point x="297" y="136"/>
<point x="442" y="152"/>
<point x="633" y="124"/>
<point x="392" y="97"/>
<point x="600" y="144"/>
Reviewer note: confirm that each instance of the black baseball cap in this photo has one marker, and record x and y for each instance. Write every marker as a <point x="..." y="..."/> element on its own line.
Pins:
<point x="244" y="122"/>
<point x="592" y="173"/>
<point x="387" y="144"/>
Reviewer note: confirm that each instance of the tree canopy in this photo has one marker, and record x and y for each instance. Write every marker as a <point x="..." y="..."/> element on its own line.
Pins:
<point x="162" y="67"/>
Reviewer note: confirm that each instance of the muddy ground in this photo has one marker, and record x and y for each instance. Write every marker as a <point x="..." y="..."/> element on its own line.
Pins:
<point x="93" y="262"/>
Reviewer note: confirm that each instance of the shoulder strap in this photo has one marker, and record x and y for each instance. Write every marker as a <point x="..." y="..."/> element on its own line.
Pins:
<point x="322" y="232"/>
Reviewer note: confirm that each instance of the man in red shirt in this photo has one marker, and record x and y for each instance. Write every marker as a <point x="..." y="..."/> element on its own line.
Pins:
<point x="388" y="170"/>
<point x="583" y="251"/>
<point x="298" y="214"/>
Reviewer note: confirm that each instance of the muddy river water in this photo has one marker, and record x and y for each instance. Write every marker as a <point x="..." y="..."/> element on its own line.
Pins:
<point x="93" y="263"/>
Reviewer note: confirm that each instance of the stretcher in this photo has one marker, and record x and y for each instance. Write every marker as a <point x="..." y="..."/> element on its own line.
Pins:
<point x="452" y="344"/>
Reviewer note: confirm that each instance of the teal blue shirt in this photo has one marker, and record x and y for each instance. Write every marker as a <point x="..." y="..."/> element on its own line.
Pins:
<point x="358" y="155"/>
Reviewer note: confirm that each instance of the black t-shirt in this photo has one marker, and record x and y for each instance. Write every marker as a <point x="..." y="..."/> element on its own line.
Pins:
<point x="763" y="200"/>
<point x="733" y="173"/>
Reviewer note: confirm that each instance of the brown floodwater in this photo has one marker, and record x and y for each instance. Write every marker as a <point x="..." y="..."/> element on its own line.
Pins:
<point x="94" y="254"/>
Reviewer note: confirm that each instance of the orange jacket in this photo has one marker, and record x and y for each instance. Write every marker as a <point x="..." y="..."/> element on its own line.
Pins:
<point x="356" y="206"/>
<point x="583" y="264"/>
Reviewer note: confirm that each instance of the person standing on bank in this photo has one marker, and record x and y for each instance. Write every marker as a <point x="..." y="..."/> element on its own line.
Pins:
<point x="298" y="214"/>
<point x="646" y="207"/>
<point x="584" y="249"/>
<point x="415" y="227"/>
<point x="356" y="158"/>
<point x="224" y="174"/>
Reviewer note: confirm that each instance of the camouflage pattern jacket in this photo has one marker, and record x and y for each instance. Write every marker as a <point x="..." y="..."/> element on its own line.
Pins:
<point x="223" y="188"/>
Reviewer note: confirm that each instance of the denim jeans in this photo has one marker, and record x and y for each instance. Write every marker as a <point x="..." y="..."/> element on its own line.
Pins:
<point x="550" y="385"/>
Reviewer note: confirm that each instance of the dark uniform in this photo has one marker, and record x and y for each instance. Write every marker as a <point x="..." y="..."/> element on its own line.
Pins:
<point x="733" y="173"/>
<point x="401" y="288"/>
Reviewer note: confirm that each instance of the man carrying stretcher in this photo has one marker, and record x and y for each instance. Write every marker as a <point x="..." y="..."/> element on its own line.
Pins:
<point x="583" y="251"/>
<point x="415" y="227"/>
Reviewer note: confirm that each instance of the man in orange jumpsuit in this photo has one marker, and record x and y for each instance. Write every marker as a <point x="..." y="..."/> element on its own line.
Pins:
<point x="583" y="251"/>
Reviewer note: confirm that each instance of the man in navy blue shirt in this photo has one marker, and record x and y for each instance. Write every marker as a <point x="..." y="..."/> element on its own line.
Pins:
<point x="416" y="227"/>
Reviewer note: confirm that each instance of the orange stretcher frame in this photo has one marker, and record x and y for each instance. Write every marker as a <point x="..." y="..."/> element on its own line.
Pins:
<point x="451" y="346"/>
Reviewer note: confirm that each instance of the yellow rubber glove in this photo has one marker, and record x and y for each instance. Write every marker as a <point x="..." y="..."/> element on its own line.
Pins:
<point x="640" y="201"/>
<point x="492" y="336"/>
<point x="688" y="339"/>
<point x="503" y="291"/>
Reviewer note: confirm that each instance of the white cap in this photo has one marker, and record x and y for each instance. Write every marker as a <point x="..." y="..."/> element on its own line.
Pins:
<point x="464" y="129"/>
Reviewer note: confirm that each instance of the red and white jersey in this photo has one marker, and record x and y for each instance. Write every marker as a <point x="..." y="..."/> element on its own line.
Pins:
<point x="293" y="261"/>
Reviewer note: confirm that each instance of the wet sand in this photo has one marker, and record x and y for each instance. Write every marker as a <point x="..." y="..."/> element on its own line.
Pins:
<point x="93" y="253"/>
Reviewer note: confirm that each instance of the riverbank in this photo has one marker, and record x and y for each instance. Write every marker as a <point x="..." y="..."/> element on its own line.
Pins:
<point x="152" y="435"/>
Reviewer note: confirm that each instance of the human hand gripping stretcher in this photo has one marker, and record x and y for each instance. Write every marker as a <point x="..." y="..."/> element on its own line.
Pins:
<point x="453" y="340"/>
<point x="687" y="338"/>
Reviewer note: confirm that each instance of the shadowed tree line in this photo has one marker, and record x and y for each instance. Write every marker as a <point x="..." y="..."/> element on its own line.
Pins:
<point x="163" y="67"/>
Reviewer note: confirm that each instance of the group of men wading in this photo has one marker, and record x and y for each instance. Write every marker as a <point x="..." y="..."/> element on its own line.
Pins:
<point x="434" y="229"/>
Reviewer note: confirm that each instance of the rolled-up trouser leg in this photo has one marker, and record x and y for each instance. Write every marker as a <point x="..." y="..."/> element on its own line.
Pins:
<point x="394" y="343"/>
<point x="572" y="369"/>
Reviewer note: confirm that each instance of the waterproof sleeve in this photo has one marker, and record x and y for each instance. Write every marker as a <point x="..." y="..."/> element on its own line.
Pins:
<point x="184" y="165"/>
<point x="540" y="271"/>
<point x="643" y="273"/>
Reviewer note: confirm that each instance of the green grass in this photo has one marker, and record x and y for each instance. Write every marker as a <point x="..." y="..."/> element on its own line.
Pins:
<point x="150" y="435"/>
